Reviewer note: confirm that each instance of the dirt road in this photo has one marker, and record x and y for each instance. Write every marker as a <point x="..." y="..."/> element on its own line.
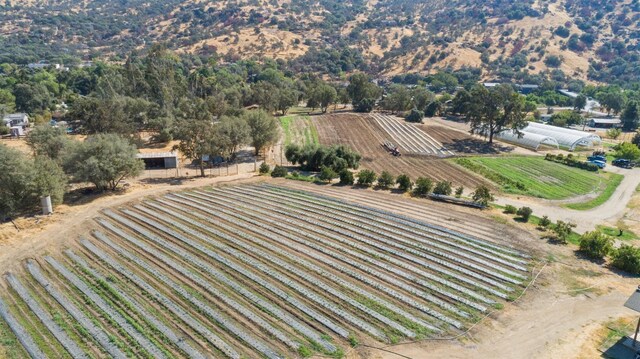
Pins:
<point x="609" y="212"/>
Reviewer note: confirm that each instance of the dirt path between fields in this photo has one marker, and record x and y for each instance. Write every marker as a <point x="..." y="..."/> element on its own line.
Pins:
<point x="69" y="221"/>
<point x="609" y="212"/>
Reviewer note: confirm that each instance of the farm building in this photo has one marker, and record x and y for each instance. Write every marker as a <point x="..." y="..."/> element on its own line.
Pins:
<point x="604" y="122"/>
<point x="565" y="137"/>
<point x="162" y="160"/>
<point x="16" y="120"/>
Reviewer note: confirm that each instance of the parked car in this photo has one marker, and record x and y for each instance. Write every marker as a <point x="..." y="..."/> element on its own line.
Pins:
<point x="600" y="164"/>
<point x="624" y="163"/>
<point x="597" y="158"/>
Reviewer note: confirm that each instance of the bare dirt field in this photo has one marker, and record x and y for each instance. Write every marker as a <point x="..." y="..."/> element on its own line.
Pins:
<point x="362" y="133"/>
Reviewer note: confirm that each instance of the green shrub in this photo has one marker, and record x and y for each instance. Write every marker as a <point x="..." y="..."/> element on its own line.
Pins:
<point x="4" y="130"/>
<point x="443" y="188"/>
<point x="524" y="213"/>
<point x="596" y="244"/>
<point x="404" y="183"/>
<point x="545" y="222"/>
<point x="304" y="351"/>
<point x="385" y="180"/>
<point x="327" y="174"/>
<point x="313" y="157"/>
<point x="279" y="171"/>
<point x="482" y="195"/>
<point x="264" y="168"/>
<point x="563" y="230"/>
<point x="415" y="116"/>
<point x="366" y="177"/>
<point x="422" y="187"/>
<point x="627" y="258"/>
<point x="459" y="191"/>
<point x="509" y="209"/>
<point x="346" y="177"/>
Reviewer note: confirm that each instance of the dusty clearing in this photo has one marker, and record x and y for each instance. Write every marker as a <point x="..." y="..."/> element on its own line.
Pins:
<point x="362" y="133"/>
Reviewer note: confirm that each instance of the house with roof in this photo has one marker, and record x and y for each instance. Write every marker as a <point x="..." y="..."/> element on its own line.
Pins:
<point x="16" y="120"/>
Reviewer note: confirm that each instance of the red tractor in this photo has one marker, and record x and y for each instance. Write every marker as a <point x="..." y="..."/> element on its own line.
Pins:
<point x="391" y="148"/>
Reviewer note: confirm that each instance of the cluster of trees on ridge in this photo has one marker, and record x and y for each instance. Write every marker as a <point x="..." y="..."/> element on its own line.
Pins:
<point x="62" y="30"/>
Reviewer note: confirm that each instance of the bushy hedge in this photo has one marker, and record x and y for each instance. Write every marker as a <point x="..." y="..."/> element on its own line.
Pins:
<point x="264" y="168"/>
<point x="596" y="245"/>
<point x="279" y="171"/>
<point x="313" y="157"/>
<point x="627" y="258"/>
<point x="571" y="162"/>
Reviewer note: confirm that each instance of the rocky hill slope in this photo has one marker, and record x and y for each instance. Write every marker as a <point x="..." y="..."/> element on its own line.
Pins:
<point x="585" y="39"/>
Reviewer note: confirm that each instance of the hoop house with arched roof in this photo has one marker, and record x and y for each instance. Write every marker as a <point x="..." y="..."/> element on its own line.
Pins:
<point x="527" y="139"/>
<point x="565" y="137"/>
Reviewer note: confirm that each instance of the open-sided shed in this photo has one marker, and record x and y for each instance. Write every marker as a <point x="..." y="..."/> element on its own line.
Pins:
<point x="159" y="160"/>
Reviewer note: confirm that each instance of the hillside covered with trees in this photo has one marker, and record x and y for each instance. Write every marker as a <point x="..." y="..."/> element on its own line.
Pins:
<point x="509" y="40"/>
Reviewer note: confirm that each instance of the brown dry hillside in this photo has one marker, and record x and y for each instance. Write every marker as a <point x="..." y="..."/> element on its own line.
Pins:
<point x="382" y="36"/>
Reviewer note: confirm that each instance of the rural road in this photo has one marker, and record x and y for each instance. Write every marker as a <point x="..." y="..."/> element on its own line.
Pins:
<point x="610" y="211"/>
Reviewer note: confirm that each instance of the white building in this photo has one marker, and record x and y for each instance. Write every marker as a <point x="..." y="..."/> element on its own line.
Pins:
<point x="16" y="120"/>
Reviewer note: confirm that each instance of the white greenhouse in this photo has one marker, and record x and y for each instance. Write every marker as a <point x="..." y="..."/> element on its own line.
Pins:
<point x="528" y="140"/>
<point x="565" y="137"/>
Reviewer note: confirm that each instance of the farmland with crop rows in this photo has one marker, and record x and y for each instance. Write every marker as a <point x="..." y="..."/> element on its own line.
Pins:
<point x="254" y="270"/>
<point x="365" y="135"/>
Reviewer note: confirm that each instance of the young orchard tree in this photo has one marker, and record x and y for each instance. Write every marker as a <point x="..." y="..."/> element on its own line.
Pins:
<point x="385" y="180"/>
<point x="443" y="188"/>
<point x="596" y="245"/>
<point x="366" y="177"/>
<point x="346" y="177"/>
<point x="563" y="230"/>
<point x="404" y="183"/>
<point x="483" y="195"/>
<point x="422" y="187"/>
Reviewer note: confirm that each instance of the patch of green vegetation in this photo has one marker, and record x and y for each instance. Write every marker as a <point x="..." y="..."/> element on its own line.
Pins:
<point x="304" y="351"/>
<point x="627" y="235"/>
<point x="285" y="123"/>
<point x="612" y="183"/>
<point x="292" y="132"/>
<point x="534" y="176"/>
<point x="299" y="177"/>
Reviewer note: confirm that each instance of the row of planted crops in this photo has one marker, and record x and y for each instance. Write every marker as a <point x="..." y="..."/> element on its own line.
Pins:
<point x="409" y="137"/>
<point x="253" y="271"/>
